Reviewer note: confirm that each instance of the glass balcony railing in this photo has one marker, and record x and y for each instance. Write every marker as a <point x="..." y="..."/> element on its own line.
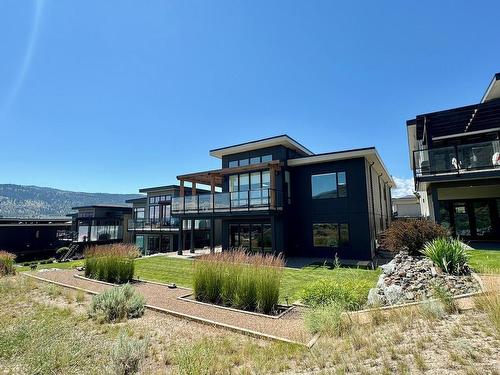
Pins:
<point x="457" y="159"/>
<point x="150" y="224"/>
<point x="251" y="200"/>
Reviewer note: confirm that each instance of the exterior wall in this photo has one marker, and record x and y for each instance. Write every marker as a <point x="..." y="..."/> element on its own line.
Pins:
<point x="407" y="207"/>
<point x="353" y="210"/>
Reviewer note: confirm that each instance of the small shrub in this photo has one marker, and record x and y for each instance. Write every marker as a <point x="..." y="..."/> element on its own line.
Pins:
<point x="127" y="354"/>
<point x="449" y="254"/>
<point x="350" y="293"/>
<point x="7" y="263"/>
<point x="117" y="304"/>
<point x="410" y="235"/>
<point x="111" y="263"/>
<point x="327" y="319"/>
<point x="433" y="310"/>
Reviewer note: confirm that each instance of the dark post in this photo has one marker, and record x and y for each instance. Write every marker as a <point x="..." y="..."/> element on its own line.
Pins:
<point x="191" y="247"/>
<point x="212" y="233"/>
<point x="180" y="242"/>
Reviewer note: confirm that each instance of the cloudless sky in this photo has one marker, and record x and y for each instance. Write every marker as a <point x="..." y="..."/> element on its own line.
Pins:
<point x="111" y="96"/>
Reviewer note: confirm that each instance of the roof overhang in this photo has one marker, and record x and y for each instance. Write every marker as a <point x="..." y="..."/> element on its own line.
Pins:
<point x="493" y="90"/>
<point x="281" y="140"/>
<point x="370" y="154"/>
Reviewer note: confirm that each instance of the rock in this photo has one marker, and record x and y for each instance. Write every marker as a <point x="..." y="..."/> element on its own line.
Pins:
<point x="433" y="272"/>
<point x="374" y="298"/>
<point x="393" y="294"/>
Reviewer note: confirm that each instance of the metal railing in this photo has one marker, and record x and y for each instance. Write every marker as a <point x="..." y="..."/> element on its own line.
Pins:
<point x="457" y="159"/>
<point x="150" y="224"/>
<point x="251" y="200"/>
<point x="66" y="235"/>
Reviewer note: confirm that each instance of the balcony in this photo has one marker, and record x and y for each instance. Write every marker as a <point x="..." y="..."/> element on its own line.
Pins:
<point x="242" y="201"/>
<point x="170" y="223"/>
<point x="460" y="159"/>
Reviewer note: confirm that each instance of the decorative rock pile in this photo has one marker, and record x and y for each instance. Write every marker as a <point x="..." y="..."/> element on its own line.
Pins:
<point x="411" y="278"/>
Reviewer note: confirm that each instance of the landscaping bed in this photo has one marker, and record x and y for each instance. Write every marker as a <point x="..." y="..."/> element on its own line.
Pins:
<point x="410" y="278"/>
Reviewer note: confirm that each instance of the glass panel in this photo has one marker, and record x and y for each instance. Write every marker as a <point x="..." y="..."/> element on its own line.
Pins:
<point x="234" y="238"/>
<point x="478" y="155"/>
<point x="255" y="181"/>
<point x="244" y="182"/>
<point x="483" y="218"/>
<point x="205" y="202"/>
<point x="255" y="160"/>
<point x="242" y="199"/>
<point x="344" y="234"/>
<point x="165" y="244"/>
<point x="191" y="203"/>
<point x="342" y="184"/>
<point x="177" y="204"/>
<point x="245" y="236"/>
<point x="221" y="201"/>
<point x="154" y="212"/>
<point x="266" y="180"/>
<point x="233" y="163"/>
<point x="325" y="235"/>
<point x="256" y="238"/>
<point x="243" y="162"/>
<point x="324" y="186"/>
<point x="462" y="227"/>
<point x="266" y="158"/>
<point x="153" y="244"/>
<point x="139" y="242"/>
<point x="233" y="183"/>
<point x="256" y="198"/>
<point x="267" y="238"/>
<point x="444" y="213"/>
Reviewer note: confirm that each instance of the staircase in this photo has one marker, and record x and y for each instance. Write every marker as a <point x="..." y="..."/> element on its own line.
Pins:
<point x="73" y="248"/>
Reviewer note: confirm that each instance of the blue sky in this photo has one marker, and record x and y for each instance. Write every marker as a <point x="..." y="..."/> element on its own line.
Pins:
<point x="112" y="96"/>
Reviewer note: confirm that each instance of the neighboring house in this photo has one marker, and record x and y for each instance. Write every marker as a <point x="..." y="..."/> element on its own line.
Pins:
<point x="32" y="238"/>
<point x="278" y="196"/>
<point x="99" y="224"/>
<point x="406" y="207"/>
<point x="154" y="230"/>
<point x="455" y="157"/>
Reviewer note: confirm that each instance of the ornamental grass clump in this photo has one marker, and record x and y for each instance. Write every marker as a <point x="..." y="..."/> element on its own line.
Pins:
<point x="240" y="280"/>
<point x="111" y="263"/>
<point x="449" y="254"/>
<point x="7" y="263"/>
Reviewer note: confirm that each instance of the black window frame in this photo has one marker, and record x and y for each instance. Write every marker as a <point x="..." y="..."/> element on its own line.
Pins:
<point x="337" y="190"/>
<point x="341" y="242"/>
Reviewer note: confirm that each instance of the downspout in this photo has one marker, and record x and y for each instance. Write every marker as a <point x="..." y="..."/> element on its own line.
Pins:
<point x="373" y="201"/>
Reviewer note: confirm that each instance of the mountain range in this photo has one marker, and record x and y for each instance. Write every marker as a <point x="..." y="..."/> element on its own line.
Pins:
<point x="34" y="201"/>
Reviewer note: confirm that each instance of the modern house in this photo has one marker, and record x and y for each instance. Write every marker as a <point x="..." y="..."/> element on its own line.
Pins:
<point x="407" y="207"/>
<point x="98" y="224"/>
<point x="152" y="227"/>
<point x="275" y="195"/>
<point x="32" y="238"/>
<point x="455" y="157"/>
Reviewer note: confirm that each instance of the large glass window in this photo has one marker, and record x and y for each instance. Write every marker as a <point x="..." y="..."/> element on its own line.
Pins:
<point x="233" y="163"/>
<point x="266" y="158"/>
<point x="324" y="186"/>
<point x="139" y="213"/>
<point x="330" y="235"/>
<point x="255" y="160"/>
<point x="139" y="242"/>
<point x="256" y="237"/>
<point x="154" y="212"/>
<point x="329" y="185"/>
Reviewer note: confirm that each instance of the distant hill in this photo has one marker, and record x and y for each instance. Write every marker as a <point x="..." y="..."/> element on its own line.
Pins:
<point x="34" y="201"/>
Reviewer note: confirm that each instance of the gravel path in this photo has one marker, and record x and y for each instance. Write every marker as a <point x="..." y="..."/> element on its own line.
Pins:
<point x="289" y="327"/>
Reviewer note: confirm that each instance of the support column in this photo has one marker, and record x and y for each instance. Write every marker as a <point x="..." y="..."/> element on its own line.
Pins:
<point x="193" y="188"/>
<point x="191" y="247"/>
<point x="272" y="181"/>
<point x="181" y="188"/>
<point x="273" y="234"/>
<point x="179" y="239"/>
<point x="212" y="235"/>
<point x="435" y="206"/>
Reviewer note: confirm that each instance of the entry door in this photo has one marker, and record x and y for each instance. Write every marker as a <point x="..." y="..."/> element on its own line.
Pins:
<point x="461" y="219"/>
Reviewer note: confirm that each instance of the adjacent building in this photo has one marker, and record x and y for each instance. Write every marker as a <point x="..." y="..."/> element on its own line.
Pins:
<point x="153" y="229"/>
<point x="274" y="195"/>
<point x="455" y="158"/>
<point x="407" y="207"/>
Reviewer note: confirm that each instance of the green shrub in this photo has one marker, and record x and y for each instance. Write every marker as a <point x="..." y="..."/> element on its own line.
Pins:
<point x="410" y="235"/>
<point x="117" y="304"/>
<point x="434" y="310"/>
<point x="348" y="292"/>
<point x="449" y="254"/>
<point x="445" y="298"/>
<point x="127" y="354"/>
<point x="7" y="263"/>
<point x="249" y="282"/>
<point x="328" y="320"/>
<point x="111" y="263"/>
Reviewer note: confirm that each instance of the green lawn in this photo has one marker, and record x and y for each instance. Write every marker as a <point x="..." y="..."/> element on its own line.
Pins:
<point x="485" y="261"/>
<point x="65" y="265"/>
<point x="179" y="271"/>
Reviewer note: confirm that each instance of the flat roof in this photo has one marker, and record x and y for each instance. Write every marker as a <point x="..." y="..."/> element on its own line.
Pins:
<point x="35" y="219"/>
<point x="112" y="206"/>
<point x="370" y="153"/>
<point x="279" y="140"/>
<point x="158" y="188"/>
<point x="137" y="200"/>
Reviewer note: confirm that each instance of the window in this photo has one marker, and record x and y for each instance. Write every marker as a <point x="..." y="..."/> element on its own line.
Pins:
<point x="154" y="212"/>
<point x="342" y="184"/>
<point x="139" y="213"/>
<point x="329" y="185"/>
<point x="255" y="160"/>
<point x="330" y="235"/>
<point x="233" y="163"/>
<point x="266" y="158"/>
<point x="324" y="186"/>
<point x="243" y="162"/>
<point x="256" y="238"/>
<point x="139" y="242"/>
